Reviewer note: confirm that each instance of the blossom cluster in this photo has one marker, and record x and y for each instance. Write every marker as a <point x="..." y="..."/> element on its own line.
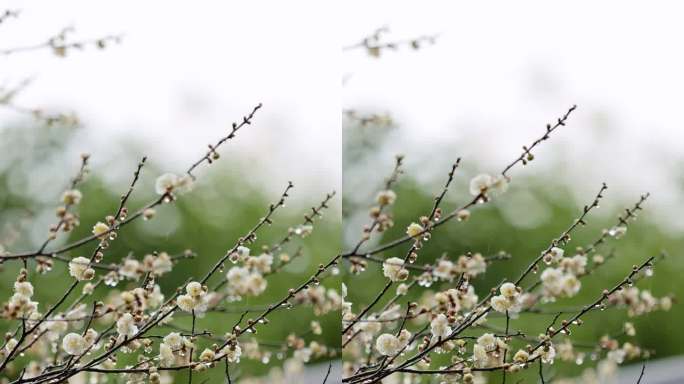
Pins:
<point x="429" y="320"/>
<point x="119" y="318"/>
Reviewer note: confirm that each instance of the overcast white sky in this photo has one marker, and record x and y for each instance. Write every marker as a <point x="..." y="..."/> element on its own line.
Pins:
<point x="500" y="70"/>
<point x="185" y="71"/>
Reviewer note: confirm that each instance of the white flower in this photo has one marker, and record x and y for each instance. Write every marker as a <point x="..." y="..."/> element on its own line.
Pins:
<point x="439" y="326"/>
<point x="598" y="259"/>
<point x="450" y="299"/>
<point x="666" y="303"/>
<point x="480" y="355"/>
<point x="575" y="265"/>
<point x="570" y="285"/>
<point x="402" y="289"/>
<point x="631" y="351"/>
<point x="303" y="230"/>
<point x="521" y="356"/>
<point x="393" y="269"/>
<point x="256" y="284"/>
<point x="483" y="183"/>
<point x="162" y="264"/>
<point x="237" y="279"/>
<point x="207" y="355"/>
<point x="487" y="351"/>
<point x="551" y="275"/>
<point x="387" y="344"/>
<point x="499" y="185"/>
<point x="463" y="215"/>
<point x="173" y="340"/>
<point x="88" y="288"/>
<point x="480" y="184"/>
<point x="548" y="354"/>
<point x="184" y="184"/>
<point x="166" y="357"/>
<point x="169" y="182"/>
<point x="195" y="300"/>
<point x="156" y="298"/>
<point x="194" y="289"/>
<point x="126" y="325"/>
<point x="629" y="329"/>
<point x="186" y="303"/>
<point x="232" y="352"/>
<point x="404" y="337"/>
<point x="618" y="231"/>
<point x="72" y="197"/>
<point x="508" y="290"/>
<point x="237" y="275"/>
<point x="444" y="270"/>
<point x="554" y="255"/>
<point x="57" y="327"/>
<point x="414" y="229"/>
<point x="24" y="289"/>
<point x="241" y="281"/>
<point x="79" y="268"/>
<point x="22" y="305"/>
<point x="149" y="213"/>
<point x="74" y="344"/>
<point x="500" y="303"/>
<point x="130" y="269"/>
<point x="387" y="197"/>
<point x="99" y="229"/>
<point x="261" y="263"/>
<point x="90" y="336"/>
<point x="557" y="252"/>
<point x="556" y="283"/>
<point x="469" y="299"/>
<point x="487" y="341"/>
<point x="165" y="183"/>
<point x="648" y="299"/>
<point x="471" y="265"/>
<point x="316" y="327"/>
<point x="551" y="281"/>
<point x="243" y="251"/>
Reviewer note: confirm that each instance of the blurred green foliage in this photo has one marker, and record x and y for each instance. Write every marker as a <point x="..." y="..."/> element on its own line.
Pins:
<point x="209" y="220"/>
<point x="491" y="229"/>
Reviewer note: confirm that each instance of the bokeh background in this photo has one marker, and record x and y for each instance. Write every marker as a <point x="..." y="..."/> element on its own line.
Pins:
<point x="496" y="74"/>
<point x="181" y="75"/>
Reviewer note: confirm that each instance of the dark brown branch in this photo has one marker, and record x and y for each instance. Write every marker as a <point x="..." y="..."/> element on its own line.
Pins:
<point x="211" y="154"/>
